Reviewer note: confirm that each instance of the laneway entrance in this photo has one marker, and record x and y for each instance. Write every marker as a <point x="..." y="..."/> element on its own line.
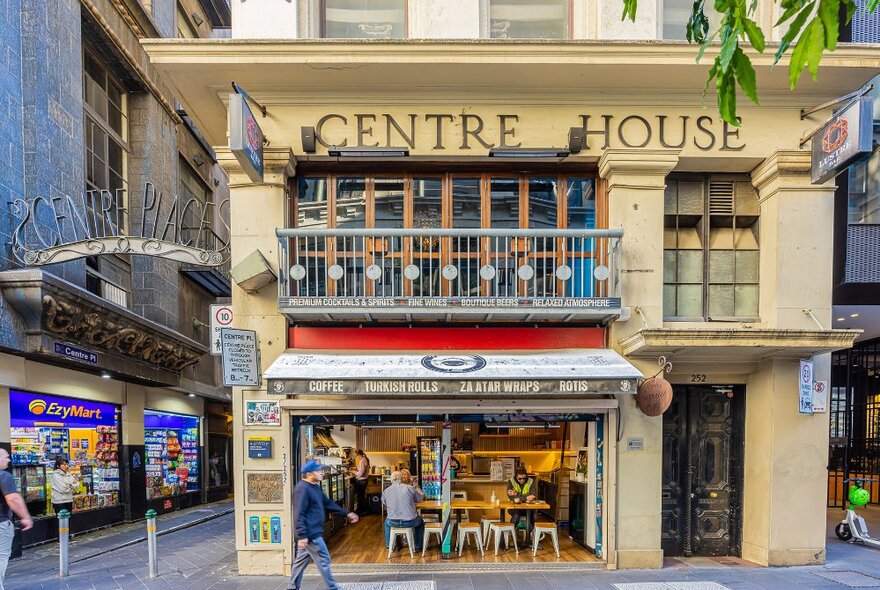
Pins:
<point x="702" y="471"/>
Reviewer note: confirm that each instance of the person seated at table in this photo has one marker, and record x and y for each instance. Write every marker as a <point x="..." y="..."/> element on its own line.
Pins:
<point x="519" y="487"/>
<point x="400" y="499"/>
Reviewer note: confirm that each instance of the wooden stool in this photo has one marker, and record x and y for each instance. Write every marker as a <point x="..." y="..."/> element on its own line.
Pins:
<point x="404" y="531"/>
<point x="485" y="522"/>
<point x="545" y="528"/>
<point x="469" y="528"/>
<point x="500" y="528"/>
<point x="432" y="528"/>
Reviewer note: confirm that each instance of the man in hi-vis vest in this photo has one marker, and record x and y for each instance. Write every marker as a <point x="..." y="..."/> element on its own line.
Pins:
<point x="520" y="487"/>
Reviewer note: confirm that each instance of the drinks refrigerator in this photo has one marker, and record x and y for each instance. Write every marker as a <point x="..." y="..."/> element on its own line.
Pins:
<point x="430" y="466"/>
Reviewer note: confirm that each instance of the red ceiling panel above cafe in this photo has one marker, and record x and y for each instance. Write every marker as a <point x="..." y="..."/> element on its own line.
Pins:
<point x="445" y="338"/>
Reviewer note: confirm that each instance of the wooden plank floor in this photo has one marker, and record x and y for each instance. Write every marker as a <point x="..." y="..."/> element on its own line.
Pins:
<point x="364" y="543"/>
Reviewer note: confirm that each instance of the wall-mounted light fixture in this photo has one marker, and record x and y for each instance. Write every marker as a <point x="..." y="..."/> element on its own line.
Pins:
<point x="575" y="139"/>
<point x="368" y="152"/>
<point x="197" y="19"/>
<point x="198" y="159"/>
<point x="528" y="153"/>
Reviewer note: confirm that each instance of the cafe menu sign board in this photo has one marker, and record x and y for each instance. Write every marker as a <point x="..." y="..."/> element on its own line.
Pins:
<point x="847" y="136"/>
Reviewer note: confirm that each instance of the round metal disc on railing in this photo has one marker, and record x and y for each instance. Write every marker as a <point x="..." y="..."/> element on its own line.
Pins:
<point x="563" y="272"/>
<point x="525" y="272"/>
<point x="297" y="272"/>
<point x="374" y="272"/>
<point x="335" y="272"/>
<point x="411" y="271"/>
<point x="601" y="272"/>
<point x="487" y="272"/>
<point x="450" y="272"/>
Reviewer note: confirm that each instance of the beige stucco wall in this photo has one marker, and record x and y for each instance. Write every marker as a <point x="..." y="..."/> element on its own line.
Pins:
<point x="795" y="230"/>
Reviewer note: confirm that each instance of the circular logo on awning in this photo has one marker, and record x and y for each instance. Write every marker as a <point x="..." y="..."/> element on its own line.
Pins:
<point x="453" y="363"/>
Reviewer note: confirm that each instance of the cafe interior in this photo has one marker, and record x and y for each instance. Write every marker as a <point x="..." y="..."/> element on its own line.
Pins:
<point x="477" y="455"/>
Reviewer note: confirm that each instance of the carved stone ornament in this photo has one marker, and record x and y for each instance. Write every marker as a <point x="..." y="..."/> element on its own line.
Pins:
<point x="265" y="488"/>
<point x="73" y="322"/>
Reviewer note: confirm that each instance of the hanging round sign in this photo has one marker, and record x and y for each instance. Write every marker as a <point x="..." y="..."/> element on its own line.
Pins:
<point x="654" y="396"/>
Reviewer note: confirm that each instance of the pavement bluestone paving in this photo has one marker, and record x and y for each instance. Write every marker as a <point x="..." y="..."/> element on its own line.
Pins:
<point x="202" y="557"/>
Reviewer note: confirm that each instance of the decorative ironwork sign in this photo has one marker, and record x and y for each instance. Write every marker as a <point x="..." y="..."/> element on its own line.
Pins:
<point x="61" y="228"/>
<point x="73" y="322"/>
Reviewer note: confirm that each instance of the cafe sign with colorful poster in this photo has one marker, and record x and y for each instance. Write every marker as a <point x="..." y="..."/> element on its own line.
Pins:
<point x="262" y="413"/>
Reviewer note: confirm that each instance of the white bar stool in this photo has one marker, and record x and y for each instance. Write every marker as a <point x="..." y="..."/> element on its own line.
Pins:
<point x="485" y="522"/>
<point x="500" y="529"/>
<point x="545" y="528"/>
<point x="432" y="528"/>
<point x="469" y="528"/>
<point x="404" y="531"/>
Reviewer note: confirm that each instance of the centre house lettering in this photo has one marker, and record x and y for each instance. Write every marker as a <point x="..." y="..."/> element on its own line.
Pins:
<point x="467" y="131"/>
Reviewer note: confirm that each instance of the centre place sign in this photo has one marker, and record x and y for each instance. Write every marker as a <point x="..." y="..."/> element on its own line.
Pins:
<point x="62" y="227"/>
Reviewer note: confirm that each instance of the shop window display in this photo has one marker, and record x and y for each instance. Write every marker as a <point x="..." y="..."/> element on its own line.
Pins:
<point x="171" y="443"/>
<point x="45" y="427"/>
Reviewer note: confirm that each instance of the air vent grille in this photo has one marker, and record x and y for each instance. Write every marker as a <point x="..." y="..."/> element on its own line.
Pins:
<point x="721" y="197"/>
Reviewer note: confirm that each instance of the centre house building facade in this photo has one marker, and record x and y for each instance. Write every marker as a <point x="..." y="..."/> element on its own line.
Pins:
<point x="513" y="210"/>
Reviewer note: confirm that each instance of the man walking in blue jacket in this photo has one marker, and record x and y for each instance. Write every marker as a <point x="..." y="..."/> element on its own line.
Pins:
<point x="310" y="506"/>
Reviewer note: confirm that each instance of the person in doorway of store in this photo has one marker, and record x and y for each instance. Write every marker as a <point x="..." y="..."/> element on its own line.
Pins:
<point x="400" y="499"/>
<point x="361" y="476"/>
<point x="10" y="502"/>
<point x="520" y="489"/>
<point x="310" y="506"/>
<point x="62" y="482"/>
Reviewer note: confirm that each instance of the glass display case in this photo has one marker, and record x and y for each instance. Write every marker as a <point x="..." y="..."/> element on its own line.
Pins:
<point x="171" y="446"/>
<point x="30" y="480"/>
<point x="430" y="466"/>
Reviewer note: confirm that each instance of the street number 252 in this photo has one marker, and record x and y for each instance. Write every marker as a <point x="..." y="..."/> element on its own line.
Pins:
<point x="698" y="378"/>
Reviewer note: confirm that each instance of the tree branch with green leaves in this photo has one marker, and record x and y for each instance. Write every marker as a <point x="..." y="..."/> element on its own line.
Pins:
<point x="813" y="28"/>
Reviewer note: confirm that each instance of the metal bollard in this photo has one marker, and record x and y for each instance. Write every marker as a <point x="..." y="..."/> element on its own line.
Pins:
<point x="151" y="543"/>
<point x="63" y="542"/>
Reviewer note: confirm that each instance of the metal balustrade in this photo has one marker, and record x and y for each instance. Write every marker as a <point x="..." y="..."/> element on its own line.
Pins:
<point x="353" y="266"/>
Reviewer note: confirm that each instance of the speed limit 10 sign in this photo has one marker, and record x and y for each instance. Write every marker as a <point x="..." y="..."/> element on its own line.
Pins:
<point x="221" y="317"/>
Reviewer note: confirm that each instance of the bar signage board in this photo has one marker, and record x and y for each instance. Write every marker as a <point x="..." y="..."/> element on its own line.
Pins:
<point x="847" y="136"/>
<point x="584" y="303"/>
<point x="245" y="137"/>
<point x="450" y="387"/>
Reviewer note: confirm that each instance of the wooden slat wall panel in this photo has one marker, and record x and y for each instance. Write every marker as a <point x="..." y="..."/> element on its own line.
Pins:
<point x="383" y="439"/>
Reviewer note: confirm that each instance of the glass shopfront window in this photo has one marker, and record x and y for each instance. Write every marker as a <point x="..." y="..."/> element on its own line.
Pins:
<point x="86" y="433"/>
<point x="171" y="444"/>
<point x="864" y="191"/>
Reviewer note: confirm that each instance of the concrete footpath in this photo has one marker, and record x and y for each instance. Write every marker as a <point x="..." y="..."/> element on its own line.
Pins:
<point x="202" y="556"/>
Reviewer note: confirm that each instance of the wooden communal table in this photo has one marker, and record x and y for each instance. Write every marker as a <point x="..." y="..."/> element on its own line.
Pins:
<point x="460" y="506"/>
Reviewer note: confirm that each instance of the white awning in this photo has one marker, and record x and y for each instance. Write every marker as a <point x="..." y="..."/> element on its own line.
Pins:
<point x="477" y="374"/>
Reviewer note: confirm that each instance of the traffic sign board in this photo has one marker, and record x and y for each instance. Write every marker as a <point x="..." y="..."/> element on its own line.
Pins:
<point x="221" y="317"/>
<point x="240" y="357"/>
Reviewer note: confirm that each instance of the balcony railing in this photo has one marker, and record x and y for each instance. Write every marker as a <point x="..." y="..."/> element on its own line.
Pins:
<point x="504" y="273"/>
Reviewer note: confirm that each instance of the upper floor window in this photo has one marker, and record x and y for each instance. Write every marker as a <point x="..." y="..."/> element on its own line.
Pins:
<point x="864" y="191"/>
<point x="529" y="19"/>
<point x="676" y="14"/>
<point x="192" y="187"/>
<point x="364" y="19"/>
<point x="711" y="254"/>
<point x="106" y="151"/>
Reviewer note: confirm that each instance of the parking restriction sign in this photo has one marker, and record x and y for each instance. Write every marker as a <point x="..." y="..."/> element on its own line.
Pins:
<point x="221" y="317"/>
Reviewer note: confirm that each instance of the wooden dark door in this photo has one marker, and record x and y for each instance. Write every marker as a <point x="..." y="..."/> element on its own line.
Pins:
<point x="702" y="471"/>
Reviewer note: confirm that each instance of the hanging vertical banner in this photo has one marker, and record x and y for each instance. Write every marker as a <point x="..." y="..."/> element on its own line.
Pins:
<point x="245" y="137"/>
<point x="805" y="386"/>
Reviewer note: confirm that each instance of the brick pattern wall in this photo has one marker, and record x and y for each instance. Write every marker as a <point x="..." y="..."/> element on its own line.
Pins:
<point x="52" y="125"/>
<point x="11" y="158"/>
